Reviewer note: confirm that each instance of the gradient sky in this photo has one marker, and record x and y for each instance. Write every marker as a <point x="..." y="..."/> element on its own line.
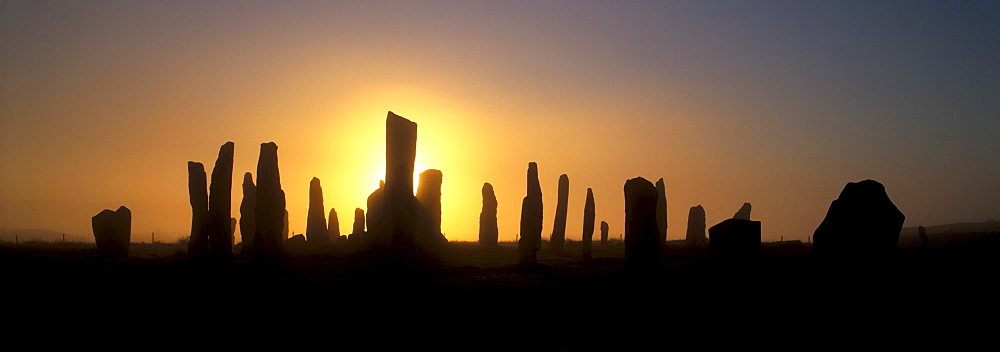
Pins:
<point x="777" y="103"/>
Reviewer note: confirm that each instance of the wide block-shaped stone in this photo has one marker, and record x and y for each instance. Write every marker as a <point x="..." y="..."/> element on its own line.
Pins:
<point x="735" y="239"/>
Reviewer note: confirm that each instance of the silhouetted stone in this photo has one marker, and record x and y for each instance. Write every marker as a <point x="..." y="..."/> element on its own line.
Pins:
<point x="198" y="193"/>
<point x="220" y="205"/>
<point x="232" y="230"/>
<point x="735" y="239"/>
<point x="113" y="231"/>
<point x="925" y="242"/>
<point x="558" y="240"/>
<point x="589" y="213"/>
<point x="296" y="240"/>
<point x="284" y="224"/>
<point x="358" y="234"/>
<point x="268" y="244"/>
<point x="743" y="213"/>
<point x="661" y="210"/>
<point x="489" y="233"/>
<point x="247" y="214"/>
<point x="696" y="226"/>
<point x="429" y="196"/>
<point x="642" y="240"/>
<point x="531" y="220"/>
<point x="375" y="205"/>
<point x="862" y="221"/>
<point x="604" y="233"/>
<point x="334" y="228"/>
<point x="316" y="231"/>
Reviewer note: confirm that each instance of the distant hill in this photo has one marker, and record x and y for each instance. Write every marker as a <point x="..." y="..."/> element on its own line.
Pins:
<point x="947" y="233"/>
<point x="25" y="235"/>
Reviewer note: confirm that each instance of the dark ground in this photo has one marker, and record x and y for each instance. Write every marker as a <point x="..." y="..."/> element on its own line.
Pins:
<point x="474" y="298"/>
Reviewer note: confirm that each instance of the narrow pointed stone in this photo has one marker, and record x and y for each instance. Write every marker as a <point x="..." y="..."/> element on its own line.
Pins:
<point x="247" y="214"/>
<point x="558" y="240"/>
<point x="743" y="213"/>
<point x="268" y="246"/>
<point x="489" y="232"/>
<point x="589" y="213"/>
<point x="358" y="232"/>
<point x="198" y="194"/>
<point x="316" y="231"/>
<point x="220" y="204"/>
<point x="531" y="219"/>
<point x="334" y="226"/>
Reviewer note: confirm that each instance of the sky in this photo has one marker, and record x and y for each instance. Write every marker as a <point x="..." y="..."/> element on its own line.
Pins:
<point x="777" y="103"/>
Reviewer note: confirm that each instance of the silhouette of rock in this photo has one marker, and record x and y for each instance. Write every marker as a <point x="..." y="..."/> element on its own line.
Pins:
<point x="316" y="231"/>
<point x="247" y="214"/>
<point x="429" y="196"/>
<point x="558" y="240"/>
<point x="925" y="242"/>
<point x="198" y="193"/>
<point x="604" y="233"/>
<point x="220" y="205"/>
<point x="296" y="240"/>
<point x="284" y="223"/>
<point x="334" y="229"/>
<point x="589" y="213"/>
<point x="268" y="243"/>
<point x="642" y="240"/>
<point x="743" y="213"/>
<point x="735" y="239"/>
<point x="531" y="220"/>
<point x="862" y="221"/>
<point x="661" y="210"/>
<point x="489" y="232"/>
<point x="696" y="226"/>
<point x="232" y="230"/>
<point x="358" y="234"/>
<point x="112" y="231"/>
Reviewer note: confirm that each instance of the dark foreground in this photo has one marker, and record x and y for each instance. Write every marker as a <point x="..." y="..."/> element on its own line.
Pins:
<point x="473" y="298"/>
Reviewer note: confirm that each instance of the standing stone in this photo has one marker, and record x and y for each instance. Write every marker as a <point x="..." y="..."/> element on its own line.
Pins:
<point x="316" y="231"/>
<point x="531" y="220"/>
<point x="268" y="244"/>
<point x="334" y="228"/>
<point x="489" y="232"/>
<point x="604" y="233"/>
<point x="232" y="230"/>
<point x="247" y="214"/>
<point x="589" y="213"/>
<point x="198" y="192"/>
<point x="375" y="204"/>
<point x="429" y="196"/>
<point x="925" y="241"/>
<point x="112" y="231"/>
<point x="735" y="239"/>
<point x="863" y="221"/>
<point x="358" y="234"/>
<point x="284" y="225"/>
<point x="642" y="240"/>
<point x="399" y="227"/>
<point x="558" y="240"/>
<point x="743" y="213"/>
<point x="696" y="226"/>
<point x="220" y="204"/>
<point x="661" y="210"/>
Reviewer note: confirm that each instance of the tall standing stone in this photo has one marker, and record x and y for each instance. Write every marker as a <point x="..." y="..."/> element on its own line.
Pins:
<point x="358" y="232"/>
<point x="334" y="227"/>
<point x="220" y="205"/>
<point x="642" y="240"/>
<point x="558" y="240"/>
<point x="316" y="231"/>
<point x="604" y="233"/>
<point x="531" y="219"/>
<point x="743" y="213"/>
<point x="429" y="196"/>
<point x="862" y="221"/>
<point x="113" y="231"/>
<point x="661" y="210"/>
<point x="247" y="214"/>
<point x="198" y="193"/>
<point x="589" y="213"/>
<point x="696" y="226"/>
<point x="268" y="246"/>
<point x="489" y="232"/>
